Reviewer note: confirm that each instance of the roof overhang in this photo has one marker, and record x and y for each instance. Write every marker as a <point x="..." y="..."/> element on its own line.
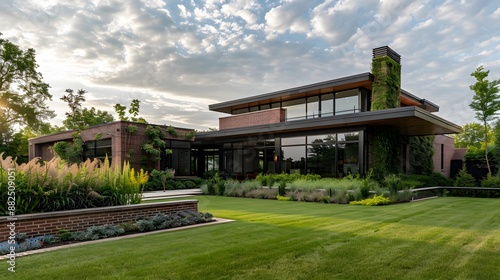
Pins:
<point x="411" y="100"/>
<point x="411" y="121"/>
<point x="356" y="81"/>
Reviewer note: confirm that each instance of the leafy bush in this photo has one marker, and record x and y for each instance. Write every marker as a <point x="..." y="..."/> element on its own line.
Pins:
<point x="490" y="182"/>
<point x="283" y="198"/>
<point x="240" y="189"/>
<point x="465" y="179"/>
<point x="264" y="193"/>
<point x="375" y="200"/>
<point x="340" y="196"/>
<point x="127" y="227"/>
<point x="181" y="218"/>
<point x="404" y="196"/>
<point x="393" y="183"/>
<point x="64" y="235"/>
<point x="145" y="225"/>
<point x="420" y="181"/>
<point x="98" y="232"/>
<point x="26" y="245"/>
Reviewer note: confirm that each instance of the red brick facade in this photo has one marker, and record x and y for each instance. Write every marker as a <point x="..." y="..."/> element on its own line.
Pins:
<point x="74" y="220"/>
<point x="254" y="118"/>
<point x="122" y="141"/>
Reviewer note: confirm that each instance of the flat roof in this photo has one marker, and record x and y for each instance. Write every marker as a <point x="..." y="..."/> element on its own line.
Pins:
<point x="345" y="83"/>
<point x="411" y="121"/>
<point x="363" y="80"/>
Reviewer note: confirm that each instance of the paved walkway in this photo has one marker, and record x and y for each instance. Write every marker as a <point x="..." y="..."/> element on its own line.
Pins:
<point x="152" y="195"/>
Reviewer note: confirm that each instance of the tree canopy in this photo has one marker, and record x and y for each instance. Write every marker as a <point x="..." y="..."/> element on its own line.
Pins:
<point x="472" y="135"/>
<point x="133" y="112"/>
<point x="23" y="94"/>
<point x="79" y="118"/>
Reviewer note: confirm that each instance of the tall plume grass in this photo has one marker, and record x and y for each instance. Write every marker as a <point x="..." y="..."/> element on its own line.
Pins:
<point x="54" y="185"/>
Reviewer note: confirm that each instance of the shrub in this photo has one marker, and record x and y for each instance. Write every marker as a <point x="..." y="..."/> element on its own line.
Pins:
<point x="465" y="179"/>
<point x="419" y="181"/>
<point x="145" y="225"/>
<point x="26" y="245"/>
<point x="190" y="184"/>
<point x="404" y="195"/>
<point x="263" y="193"/>
<point x="339" y="196"/>
<point x="181" y="218"/>
<point x="282" y="188"/>
<point x="127" y="227"/>
<point x="283" y="198"/>
<point x="490" y="182"/>
<point x="98" y="232"/>
<point x="393" y="182"/>
<point x="315" y="196"/>
<point x="375" y="200"/>
<point x="64" y="235"/>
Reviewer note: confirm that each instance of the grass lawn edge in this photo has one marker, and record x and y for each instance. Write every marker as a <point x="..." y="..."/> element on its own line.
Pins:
<point x="216" y="221"/>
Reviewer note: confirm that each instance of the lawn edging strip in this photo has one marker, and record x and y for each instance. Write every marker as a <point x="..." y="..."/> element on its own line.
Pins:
<point x="42" y="250"/>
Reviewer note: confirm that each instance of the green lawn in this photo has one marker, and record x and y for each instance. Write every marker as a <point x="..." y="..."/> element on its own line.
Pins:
<point x="442" y="238"/>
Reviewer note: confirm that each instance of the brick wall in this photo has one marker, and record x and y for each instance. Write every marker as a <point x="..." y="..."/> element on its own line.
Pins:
<point x="73" y="220"/>
<point x="254" y="118"/>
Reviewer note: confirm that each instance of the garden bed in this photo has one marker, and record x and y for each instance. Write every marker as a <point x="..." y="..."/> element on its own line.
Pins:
<point x="20" y="242"/>
<point x="130" y="234"/>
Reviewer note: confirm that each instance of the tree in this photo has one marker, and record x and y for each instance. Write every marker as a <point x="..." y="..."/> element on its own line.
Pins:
<point x="485" y="102"/>
<point x="23" y="94"/>
<point x="133" y="112"/>
<point x="78" y="118"/>
<point x="93" y="117"/>
<point x="74" y="118"/>
<point x="472" y="135"/>
<point x="19" y="145"/>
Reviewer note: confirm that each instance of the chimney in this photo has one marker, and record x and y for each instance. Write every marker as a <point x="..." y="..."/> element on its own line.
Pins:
<point x="386" y="87"/>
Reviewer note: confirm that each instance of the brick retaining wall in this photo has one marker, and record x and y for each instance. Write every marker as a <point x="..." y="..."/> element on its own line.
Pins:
<point x="73" y="220"/>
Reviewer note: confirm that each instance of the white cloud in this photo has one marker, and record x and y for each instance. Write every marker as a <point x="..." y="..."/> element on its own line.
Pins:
<point x="180" y="56"/>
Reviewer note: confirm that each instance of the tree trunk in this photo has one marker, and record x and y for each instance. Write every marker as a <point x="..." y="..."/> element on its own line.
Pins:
<point x="486" y="147"/>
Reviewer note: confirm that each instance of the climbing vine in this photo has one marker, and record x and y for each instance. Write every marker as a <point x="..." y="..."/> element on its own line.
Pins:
<point x="421" y="152"/>
<point x="386" y="86"/>
<point x="385" y="156"/>
<point x="386" y="89"/>
<point x="152" y="147"/>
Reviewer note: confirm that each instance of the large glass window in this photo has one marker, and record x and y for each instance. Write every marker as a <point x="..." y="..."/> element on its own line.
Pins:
<point x="301" y="140"/>
<point x="98" y="149"/>
<point x="294" y="159"/>
<point x="348" y="156"/>
<point x="335" y="154"/>
<point x="313" y="107"/>
<point x="327" y="105"/>
<point x="180" y="158"/>
<point x="295" y="109"/>
<point x="347" y="102"/>
<point x="211" y="159"/>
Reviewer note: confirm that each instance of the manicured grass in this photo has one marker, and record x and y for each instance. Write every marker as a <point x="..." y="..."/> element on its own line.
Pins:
<point x="442" y="238"/>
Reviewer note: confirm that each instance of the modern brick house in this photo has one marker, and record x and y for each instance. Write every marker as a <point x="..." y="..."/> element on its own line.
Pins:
<point x="325" y="128"/>
<point x="115" y="141"/>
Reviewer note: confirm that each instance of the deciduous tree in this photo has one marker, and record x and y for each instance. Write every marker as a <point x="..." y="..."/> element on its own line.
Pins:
<point x="79" y="118"/>
<point x="133" y="112"/>
<point x="472" y="135"/>
<point x="485" y="102"/>
<point x="23" y="94"/>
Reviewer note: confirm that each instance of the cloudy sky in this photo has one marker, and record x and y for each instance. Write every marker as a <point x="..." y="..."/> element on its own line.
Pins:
<point x="177" y="57"/>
